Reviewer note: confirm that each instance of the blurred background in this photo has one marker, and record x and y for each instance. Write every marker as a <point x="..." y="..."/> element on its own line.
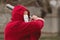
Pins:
<point x="47" y="9"/>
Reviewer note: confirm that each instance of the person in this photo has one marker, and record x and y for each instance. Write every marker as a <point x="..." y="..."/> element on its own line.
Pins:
<point x="22" y="26"/>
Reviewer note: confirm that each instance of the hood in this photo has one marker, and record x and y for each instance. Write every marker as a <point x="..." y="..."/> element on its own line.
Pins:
<point x="18" y="13"/>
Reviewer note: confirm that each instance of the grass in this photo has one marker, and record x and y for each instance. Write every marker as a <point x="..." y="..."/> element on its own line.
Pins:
<point x="50" y="38"/>
<point x="46" y="38"/>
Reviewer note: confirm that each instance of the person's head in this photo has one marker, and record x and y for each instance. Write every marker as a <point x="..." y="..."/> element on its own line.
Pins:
<point x="20" y="13"/>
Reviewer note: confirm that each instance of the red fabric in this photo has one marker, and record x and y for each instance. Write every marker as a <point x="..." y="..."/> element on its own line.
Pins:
<point x="17" y="29"/>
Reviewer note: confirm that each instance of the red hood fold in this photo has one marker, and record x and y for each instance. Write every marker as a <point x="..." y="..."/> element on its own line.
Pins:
<point x="18" y="12"/>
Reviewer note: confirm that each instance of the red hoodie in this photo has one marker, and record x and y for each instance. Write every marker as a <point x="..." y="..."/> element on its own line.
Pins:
<point x="17" y="29"/>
